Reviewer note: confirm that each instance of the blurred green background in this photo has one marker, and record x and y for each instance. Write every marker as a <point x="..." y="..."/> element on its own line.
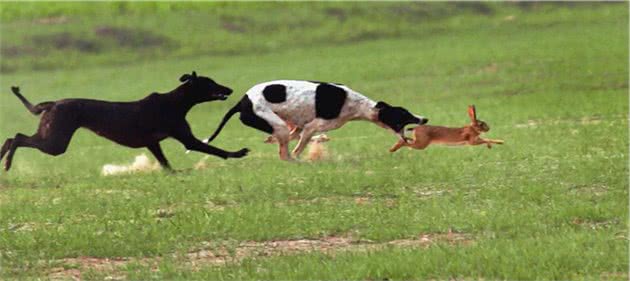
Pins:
<point x="54" y="35"/>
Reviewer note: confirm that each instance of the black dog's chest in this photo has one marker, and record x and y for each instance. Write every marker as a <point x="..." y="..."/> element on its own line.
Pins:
<point x="135" y="138"/>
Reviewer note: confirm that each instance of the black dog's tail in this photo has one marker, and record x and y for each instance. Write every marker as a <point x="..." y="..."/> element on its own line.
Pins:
<point x="228" y="115"/>
<point x="37" y="109"/>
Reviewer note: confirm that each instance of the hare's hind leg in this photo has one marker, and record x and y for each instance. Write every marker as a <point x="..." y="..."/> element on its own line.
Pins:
<point x="421" y="141"/>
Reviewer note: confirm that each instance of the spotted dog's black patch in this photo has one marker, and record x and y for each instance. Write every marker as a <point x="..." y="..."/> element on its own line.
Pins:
<point x="249" y="118"/>
<point x="329" y="99"/>
<point x="275" y="93"/>
<point x="395" y="117"/>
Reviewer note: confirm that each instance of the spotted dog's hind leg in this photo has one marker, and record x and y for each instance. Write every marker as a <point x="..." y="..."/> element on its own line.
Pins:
<point x="269" y="122"/>
<point x="294" y="134"/>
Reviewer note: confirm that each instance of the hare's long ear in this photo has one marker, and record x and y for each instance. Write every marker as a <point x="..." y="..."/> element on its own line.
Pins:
<point x="472" y="113"/>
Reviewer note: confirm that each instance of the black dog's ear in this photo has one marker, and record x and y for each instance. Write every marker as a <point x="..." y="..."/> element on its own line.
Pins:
<point x="185" y="77"/>
<point x="382" y="104"/>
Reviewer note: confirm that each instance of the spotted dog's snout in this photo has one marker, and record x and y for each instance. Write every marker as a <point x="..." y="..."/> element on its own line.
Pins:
<point x="421" y="120"/>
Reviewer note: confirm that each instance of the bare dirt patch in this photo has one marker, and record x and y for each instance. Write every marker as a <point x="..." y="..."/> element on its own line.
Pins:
<point x="595" y="190"/>
<point x="222" y="253"/>
<point x="585" y="120"/>
<point x="429" y="193"/>
<point x="73" y="267"/>
<point x="218" y="253"/>
<point x="593" y="224"/>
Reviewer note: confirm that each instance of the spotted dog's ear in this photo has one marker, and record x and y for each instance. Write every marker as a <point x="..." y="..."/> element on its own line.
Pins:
<point x="472" y="112"/>
<point x="382" y="104"/>
<point x="187" y="77"/>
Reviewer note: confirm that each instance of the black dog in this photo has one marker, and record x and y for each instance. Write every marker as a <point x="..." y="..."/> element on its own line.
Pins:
<point x="142" y="123"/>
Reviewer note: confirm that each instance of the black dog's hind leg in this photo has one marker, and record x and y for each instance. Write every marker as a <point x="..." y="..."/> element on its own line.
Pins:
<point x="5" y="147"/>
<point x="157" y="152"/>
<point x="54" y="144"/>
<point x="21" y="140"/>
<point x="18" y="141"/>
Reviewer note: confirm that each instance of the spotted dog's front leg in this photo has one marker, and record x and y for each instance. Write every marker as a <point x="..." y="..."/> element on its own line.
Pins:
<point x="316" y="126"/>
<point x="280" y="132"/>
<point x="283" y="146"/>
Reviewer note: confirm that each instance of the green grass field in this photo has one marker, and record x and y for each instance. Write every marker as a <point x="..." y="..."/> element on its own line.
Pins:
<point x="550" y="204"/>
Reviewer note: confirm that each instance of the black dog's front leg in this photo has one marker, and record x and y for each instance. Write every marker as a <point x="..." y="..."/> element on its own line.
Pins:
<point x="191" y="143"/>
<point x="157" y="152"/>
<point x="197" y="145"/>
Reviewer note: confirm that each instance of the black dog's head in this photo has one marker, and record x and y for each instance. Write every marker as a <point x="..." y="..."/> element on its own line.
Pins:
<point x="396" y="118"/>
<point x="201" y="88"/>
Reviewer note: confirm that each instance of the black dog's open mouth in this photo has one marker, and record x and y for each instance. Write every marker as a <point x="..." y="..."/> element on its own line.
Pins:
<point x="222" y="96"/>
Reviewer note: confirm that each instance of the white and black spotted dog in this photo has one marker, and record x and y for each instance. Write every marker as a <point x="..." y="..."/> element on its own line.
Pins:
<point x="311" y="107"/>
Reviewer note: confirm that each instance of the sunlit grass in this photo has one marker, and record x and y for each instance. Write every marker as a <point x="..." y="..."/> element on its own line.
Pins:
<point x="549" y="204"/>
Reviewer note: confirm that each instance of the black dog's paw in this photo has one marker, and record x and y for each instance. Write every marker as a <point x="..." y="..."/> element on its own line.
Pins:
<point x="15" y="89"/>
<point x="240" y="153"/>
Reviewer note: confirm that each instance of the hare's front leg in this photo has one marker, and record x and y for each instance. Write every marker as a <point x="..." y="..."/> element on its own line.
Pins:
<point x="490" y="142"/>
<point x="487" y="142"/>
<point x="398" y="145"/>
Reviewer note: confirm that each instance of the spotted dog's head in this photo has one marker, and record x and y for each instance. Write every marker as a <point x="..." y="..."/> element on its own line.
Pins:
<point x="202" y="89"/>
<point x="396" y="118"/>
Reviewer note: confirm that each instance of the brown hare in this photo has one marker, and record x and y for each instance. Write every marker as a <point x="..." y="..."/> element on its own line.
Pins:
<point x="468" y="135"/>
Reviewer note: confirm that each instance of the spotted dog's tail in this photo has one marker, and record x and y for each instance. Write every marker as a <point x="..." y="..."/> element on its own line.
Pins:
<point x="37" y="109"/>
<point x="228" y="115"/>
<point x="226" y="118"/>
